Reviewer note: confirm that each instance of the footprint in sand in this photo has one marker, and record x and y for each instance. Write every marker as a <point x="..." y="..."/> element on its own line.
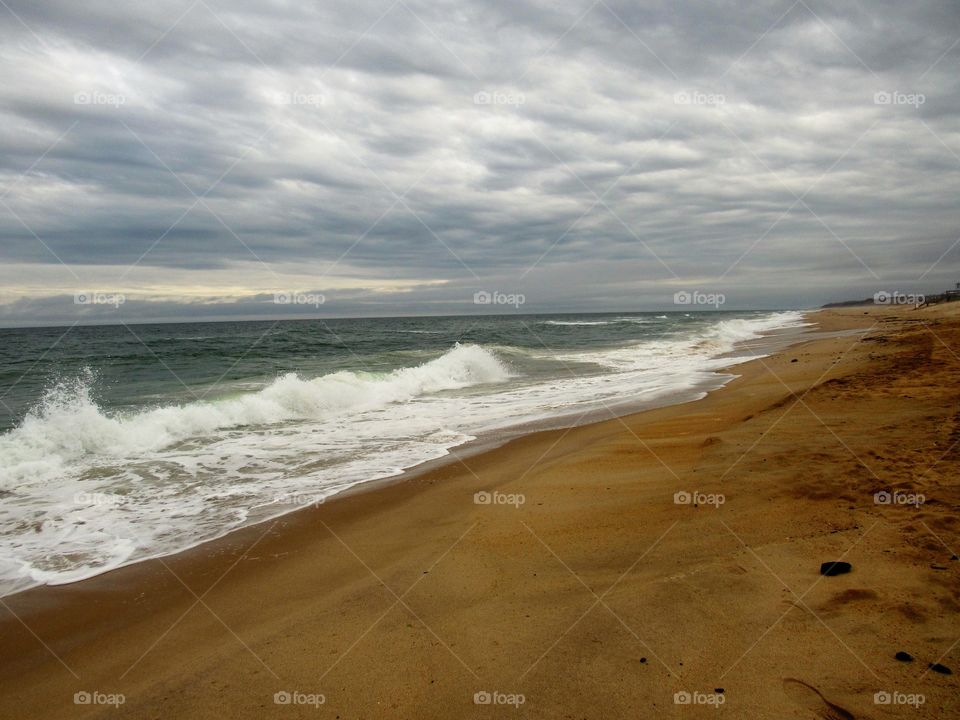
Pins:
<point x="809" y="697"/>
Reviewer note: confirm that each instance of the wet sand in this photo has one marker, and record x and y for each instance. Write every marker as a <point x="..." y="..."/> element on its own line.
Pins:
<point x="584" y="588"/>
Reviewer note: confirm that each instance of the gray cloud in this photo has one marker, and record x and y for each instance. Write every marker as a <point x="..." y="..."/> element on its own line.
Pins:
<point x="789" y="155"/>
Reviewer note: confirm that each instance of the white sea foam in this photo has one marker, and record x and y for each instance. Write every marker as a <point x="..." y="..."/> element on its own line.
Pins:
<point x="69" y="425"/>
<point x="575" y="323"/>
<point x="587" y="323"/>
<point x="86" y="490"/>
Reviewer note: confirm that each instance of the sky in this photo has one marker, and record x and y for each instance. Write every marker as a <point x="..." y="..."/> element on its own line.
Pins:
<point x="205" y="159"/>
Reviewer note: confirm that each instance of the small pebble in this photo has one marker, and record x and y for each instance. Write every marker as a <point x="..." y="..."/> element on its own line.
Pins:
<point x="904" y="656"/>
<point x="942" y="669"/>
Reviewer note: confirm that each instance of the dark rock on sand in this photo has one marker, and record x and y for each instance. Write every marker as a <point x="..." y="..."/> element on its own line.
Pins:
<point x="942" y="669"/>
<point x="835" y="568"/>
<point x="904" y="656"/>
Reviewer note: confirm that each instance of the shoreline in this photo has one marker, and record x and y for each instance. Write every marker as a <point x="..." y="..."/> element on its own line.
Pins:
<point x="766" y="343"/>
<point x="289" y="602"/>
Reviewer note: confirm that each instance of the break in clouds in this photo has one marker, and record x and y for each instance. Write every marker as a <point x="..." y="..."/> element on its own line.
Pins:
<point x="396" y="157"/>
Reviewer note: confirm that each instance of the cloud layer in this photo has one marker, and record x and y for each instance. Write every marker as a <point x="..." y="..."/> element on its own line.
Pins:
<point x="200" y="156"/>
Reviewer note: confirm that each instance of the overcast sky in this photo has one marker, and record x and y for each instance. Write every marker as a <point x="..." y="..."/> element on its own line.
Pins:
<point x="196" y="157"/>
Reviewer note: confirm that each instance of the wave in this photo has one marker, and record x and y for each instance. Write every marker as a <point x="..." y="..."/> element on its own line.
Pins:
<point x="726" y="334"/>
<point x="702" y="348"/>
<point x="633" y="320"/>
<point x="575" y="322"/>
<point x="69" y="424"/>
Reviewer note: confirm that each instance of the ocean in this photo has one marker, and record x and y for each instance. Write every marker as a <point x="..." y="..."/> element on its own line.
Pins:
<point x="122" y="443"/>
